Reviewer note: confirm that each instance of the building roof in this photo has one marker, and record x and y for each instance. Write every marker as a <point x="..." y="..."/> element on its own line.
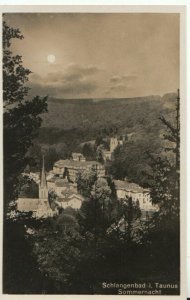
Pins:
<point x="62" y="183"/>
<point x="69" y="192"/>
<point x="68" y="195"/>
<point x="76" y="164"/>
<point x="75" y="154"/>
<point x="52" y="179"/>
<point x="129" y="186"/>
<point x="106" y="152"/>
<point x="27" y="204"/>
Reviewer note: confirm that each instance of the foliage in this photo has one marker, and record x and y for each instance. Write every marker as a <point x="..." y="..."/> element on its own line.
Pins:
<point x="27" y="187"/>
<point x="164" y="189"/>
<point x="85" y="181"/>
<point x="165" y="175"/>
<point x="99" y="156"/>
<point x="52" y="197"/>
<point x="130" y="160"/>
<point x="51" y="156"/>
<point x="164" y="230"/>
<point x="128" y="226"/>
<point x="20" y="269"/>
<point x="101" y="193"/>
<point x="21" y="116"/>
<point x="66" y="221"/>
<point x="57" y="253"/>
<point x="89" y="152"/>
<point x="97" y="212"/>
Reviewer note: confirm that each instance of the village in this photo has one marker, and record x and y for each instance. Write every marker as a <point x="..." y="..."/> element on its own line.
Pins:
<point x="62" y="182"/>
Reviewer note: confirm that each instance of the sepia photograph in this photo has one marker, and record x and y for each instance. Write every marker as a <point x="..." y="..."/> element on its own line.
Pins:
<point x="91" y="153"/>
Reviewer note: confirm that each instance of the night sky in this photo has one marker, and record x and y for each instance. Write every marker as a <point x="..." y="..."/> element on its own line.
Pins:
<point x="78" y="55"/>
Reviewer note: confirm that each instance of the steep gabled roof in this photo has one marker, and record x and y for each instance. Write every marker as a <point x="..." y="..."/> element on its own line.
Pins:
<point x="129" y="186"/>
<point x="66" y="163"/>
<point x="43" y="182"/>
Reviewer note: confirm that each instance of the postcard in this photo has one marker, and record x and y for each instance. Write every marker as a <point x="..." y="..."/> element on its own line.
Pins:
<point x="94" y="151"/>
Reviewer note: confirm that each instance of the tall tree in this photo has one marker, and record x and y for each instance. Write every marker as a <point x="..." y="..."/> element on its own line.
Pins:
<point x="95" y="212"/>
<point x="21" y="115"/>
<point x="85" y="181"/>
<point x="165" y="177"/>
<point x="127" y="226"/>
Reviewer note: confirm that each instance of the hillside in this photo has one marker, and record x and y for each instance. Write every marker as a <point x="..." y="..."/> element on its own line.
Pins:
<point x="67" y="114"/>
<point x="76" y="121"/>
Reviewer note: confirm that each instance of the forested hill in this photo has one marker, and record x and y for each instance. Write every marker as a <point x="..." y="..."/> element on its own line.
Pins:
<point x="99" y="113"/>
<point x="76" y="121"/>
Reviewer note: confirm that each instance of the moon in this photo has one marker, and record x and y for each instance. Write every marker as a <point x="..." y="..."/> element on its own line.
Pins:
<point x="51" y="58"/>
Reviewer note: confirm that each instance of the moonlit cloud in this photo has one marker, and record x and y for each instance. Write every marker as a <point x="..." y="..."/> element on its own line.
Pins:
<point x="124" y="78"/>
<point x="75" y="79"/>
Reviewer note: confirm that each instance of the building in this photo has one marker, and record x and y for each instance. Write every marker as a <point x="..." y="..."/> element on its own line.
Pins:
<point x="114" y="142"/>
<point x="127" y="189"/>
<point x="59" y="185"/>
<point x="71" y="199"/>
<point x="106" y="154"/>
<point x="67" y="194"/>
<point x="38" y="206"/>
<point x="72" y="167"/>
<point x="78" y="157"/>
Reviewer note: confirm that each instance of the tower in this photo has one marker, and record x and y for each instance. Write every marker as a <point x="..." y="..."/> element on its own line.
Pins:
<point x="43" y="190"/>
<point x="113" y="144"/>
<point x="44" y="209"/>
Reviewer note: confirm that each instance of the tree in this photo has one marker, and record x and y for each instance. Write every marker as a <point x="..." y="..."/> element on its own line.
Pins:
<point x="130" y="160"/>
<point x="51" y="157"/>
<point x="99" y="155"/>
<point x="164" y="231"/>
<point x="128" y="225"/>
<point x="57" y="251"/>
<point x="165" y="175"/>
<point x="89" y="151"/>
<point x="27" y="187"/>
<point x="95" y="213"/>
<point x="85" y="181"/>
<point x="99" y="140"/>
<point x="21" y="115"/>
<point x="35" y="157"/>
<point x="101" y="193"/>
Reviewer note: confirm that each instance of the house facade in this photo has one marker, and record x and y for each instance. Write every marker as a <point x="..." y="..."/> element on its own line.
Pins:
<point x="71" y="199"/>
<point x="73" y="167"/>
<point x="137" y="193"/>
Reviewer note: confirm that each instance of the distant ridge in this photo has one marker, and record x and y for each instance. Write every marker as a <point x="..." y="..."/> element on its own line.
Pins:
<point x="97" y="100"/>
<point x="70" y="101"/>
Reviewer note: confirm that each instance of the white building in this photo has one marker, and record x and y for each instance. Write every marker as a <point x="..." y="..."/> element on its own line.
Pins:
<point x="78" y="157"/>
<point x="127" y="189"/>
<point x="70" y="199"/>
<point x="59" y="185"/>
<point x="73" y="167"/>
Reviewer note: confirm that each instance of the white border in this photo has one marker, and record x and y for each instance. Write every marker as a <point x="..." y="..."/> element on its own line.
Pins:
<point x="167" y="6"/>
